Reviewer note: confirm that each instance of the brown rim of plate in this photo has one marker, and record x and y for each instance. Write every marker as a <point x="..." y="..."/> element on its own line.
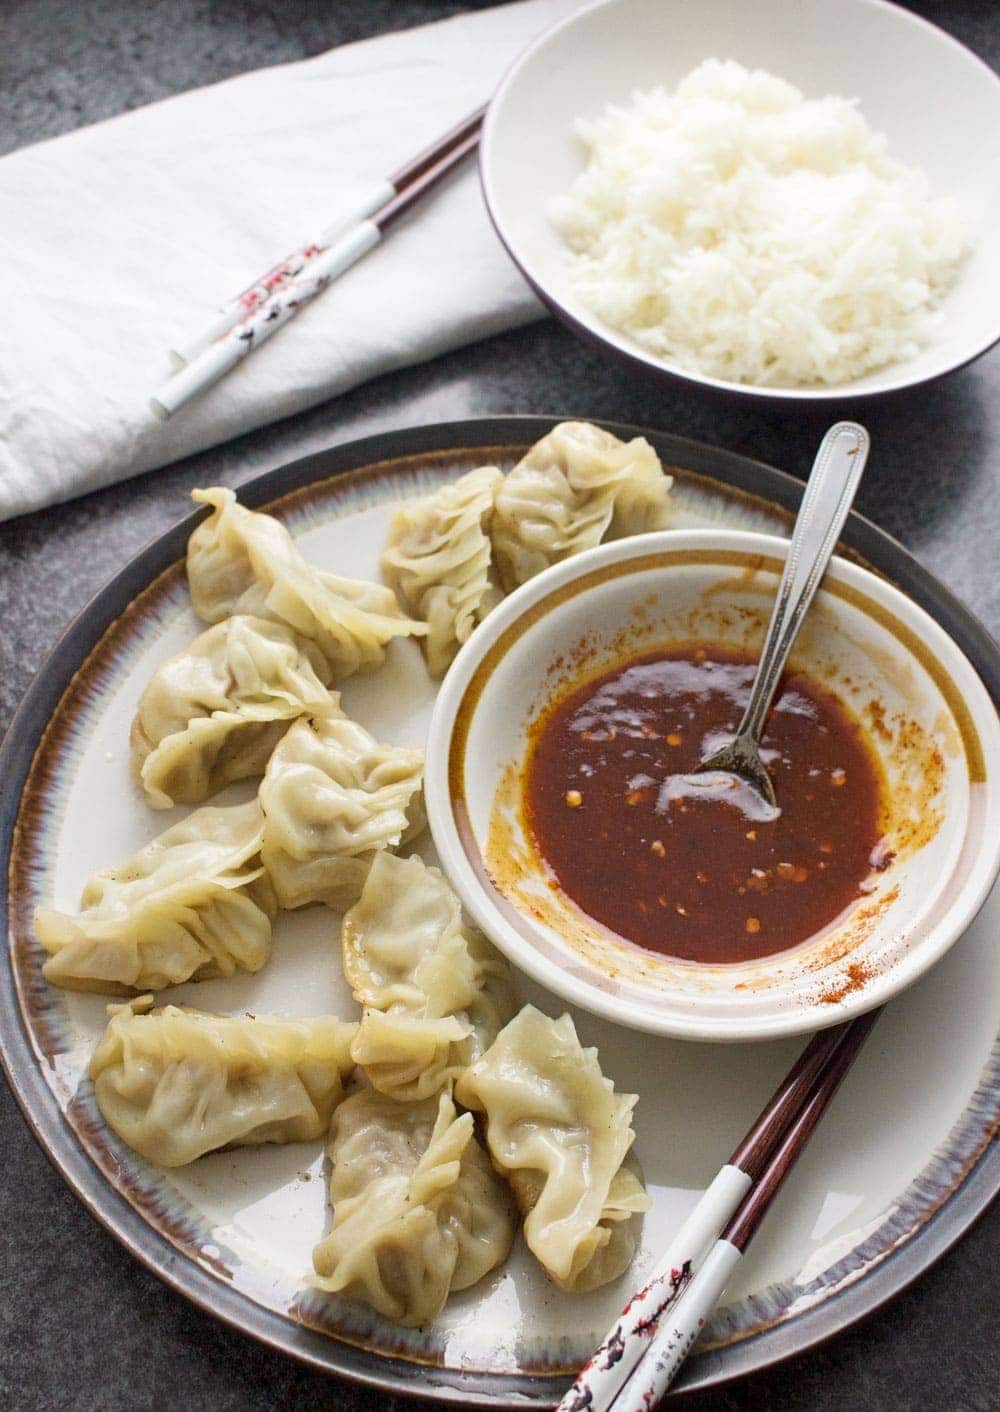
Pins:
<point x="971" y="1191"/>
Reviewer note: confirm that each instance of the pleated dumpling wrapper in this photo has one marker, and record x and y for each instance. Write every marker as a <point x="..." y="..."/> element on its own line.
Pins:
<point x="560" y="1134"/>
<point x="434" y="990"/>
<point x="241" y="561"/>
<point x="177" y="1083"/>
<point x="332" y="798"/>
<point x="439" y="560"/>
<point x="213" y="713"/>
<point x="417" y="1209"/>
<point x="574" y="488"/>
<point x="194" y="903"/>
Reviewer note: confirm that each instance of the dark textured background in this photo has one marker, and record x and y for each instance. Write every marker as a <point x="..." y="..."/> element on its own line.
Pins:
<point x="82" y="1326"/>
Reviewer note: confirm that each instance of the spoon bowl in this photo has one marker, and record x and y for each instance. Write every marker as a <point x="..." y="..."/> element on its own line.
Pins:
<point x="734" y="775"/>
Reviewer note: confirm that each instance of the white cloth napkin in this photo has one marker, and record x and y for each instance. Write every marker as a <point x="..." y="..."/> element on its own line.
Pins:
<point x="120" y="240"/>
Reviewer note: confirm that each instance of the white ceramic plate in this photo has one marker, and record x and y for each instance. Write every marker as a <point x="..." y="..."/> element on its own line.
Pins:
<point x="896" y="1172"/>
<point x="937" y="103"/>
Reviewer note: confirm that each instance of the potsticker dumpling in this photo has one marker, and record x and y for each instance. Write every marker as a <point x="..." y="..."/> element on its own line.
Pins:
<point x="214" y="713"/>
<point x="177" y="1083"/>
<point x="240" y="561"/>
<point x="194" y="903"/>
<point x="434" y="991"/>
<point x="332" y="797"/>
<point x="438" y="560"/>
<point x="558" y="1131"/>
<point x="575" y="487"/>
<point x="417" y="1209"/>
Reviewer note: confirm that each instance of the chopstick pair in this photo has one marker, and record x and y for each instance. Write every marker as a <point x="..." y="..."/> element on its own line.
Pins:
<point x="254" y="315"/>
<point x="637" y="1361"/>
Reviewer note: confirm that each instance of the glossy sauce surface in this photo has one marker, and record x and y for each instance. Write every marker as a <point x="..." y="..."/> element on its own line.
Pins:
<point x="693" y="867"/>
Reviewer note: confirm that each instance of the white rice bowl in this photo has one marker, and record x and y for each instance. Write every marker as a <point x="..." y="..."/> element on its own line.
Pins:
<point x="748" y="234"/>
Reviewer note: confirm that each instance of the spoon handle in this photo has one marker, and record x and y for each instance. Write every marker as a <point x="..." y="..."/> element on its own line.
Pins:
<point x="829" y="493"/>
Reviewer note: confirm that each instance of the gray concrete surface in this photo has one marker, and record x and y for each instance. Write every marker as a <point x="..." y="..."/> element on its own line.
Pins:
<point x="82" y="1326"/>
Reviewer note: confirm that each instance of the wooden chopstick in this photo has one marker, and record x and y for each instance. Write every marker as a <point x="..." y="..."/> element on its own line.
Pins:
<point x="312" y="277"/>
<point x="654" y="1324"/>
<point x="754" y="1152"/>
<point x="612" y="1362"/>
<point x="743" y="1226"/>
<point x="256" y="296"/>
<point x="672" y="1341"/>
<point x="429" y="177"/>
<point x="405" y="175"/>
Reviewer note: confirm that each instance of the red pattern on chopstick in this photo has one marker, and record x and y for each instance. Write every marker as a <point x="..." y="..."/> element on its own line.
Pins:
<point x="612" y="1350"/>
<point x="278" y="276"/>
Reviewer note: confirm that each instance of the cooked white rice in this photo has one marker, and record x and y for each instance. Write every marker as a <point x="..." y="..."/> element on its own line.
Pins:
<point x="746" y="233"/>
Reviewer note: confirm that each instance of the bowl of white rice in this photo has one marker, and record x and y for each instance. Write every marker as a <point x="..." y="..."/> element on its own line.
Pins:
<point x="787" y="201"/>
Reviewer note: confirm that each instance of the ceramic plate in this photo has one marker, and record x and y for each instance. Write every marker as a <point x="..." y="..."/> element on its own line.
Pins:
<point x="899" y="1168"/>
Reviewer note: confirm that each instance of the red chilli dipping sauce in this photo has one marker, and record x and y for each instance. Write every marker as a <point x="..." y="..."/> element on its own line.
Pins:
<point x="693" y="872"/>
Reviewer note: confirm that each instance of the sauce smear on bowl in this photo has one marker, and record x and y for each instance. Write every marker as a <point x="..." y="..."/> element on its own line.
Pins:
<point x="685" y="867"/>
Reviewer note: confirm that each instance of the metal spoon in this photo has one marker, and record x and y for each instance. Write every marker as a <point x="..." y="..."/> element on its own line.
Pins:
<point x="829" y="494"/>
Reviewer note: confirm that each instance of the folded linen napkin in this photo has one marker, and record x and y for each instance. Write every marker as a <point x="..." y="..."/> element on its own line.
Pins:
<point x="121" y="239"/>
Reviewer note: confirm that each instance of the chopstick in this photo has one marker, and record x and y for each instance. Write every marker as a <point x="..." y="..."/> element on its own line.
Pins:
<point x="276" y="296"/>
<point x="639" y="1357"/>
<point x="621" y="1350"/>
<point x="266" y="285"/>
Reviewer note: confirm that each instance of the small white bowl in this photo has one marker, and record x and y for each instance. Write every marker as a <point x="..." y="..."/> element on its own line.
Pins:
<point x="931" y="723"/>
<point x="937" y="103"/>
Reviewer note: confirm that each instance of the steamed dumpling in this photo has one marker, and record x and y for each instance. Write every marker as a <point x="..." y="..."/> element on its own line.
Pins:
<point x="559" y="1132"/>
<point x="417" y="1209"/>
<point x="575" y="487"/>
<point x="438" y="561"/>
<point x="239" y="561"/>
<point x="332" y="797"/>
<point x="214" y="713"/>
<point x="192" y="904"/>
<point x="177" y="1083"/>
<point x="435" y="991"/>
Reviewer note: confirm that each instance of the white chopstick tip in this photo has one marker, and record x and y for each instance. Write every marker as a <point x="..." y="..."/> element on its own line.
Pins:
<point x="223" y="323"/>
<point x="198" y="376"/>
<point x="158" y="410"/>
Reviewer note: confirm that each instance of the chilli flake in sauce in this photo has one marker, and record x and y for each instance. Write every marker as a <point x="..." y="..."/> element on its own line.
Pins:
<point x="684" y="872"/>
